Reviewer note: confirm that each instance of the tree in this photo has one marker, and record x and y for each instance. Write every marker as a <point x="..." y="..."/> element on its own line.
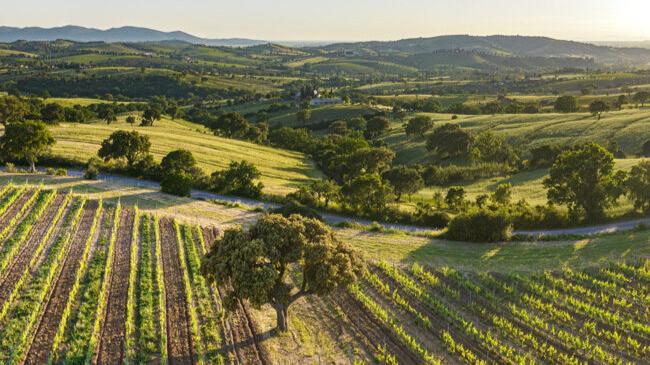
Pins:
<point x="405" y="180"/>
<point x="376" y="127"/>
<point x="179" y="172"/>
<point x="491" y="108"/>
<point x="642" y="97"/>
<point x="598" y="107"/>
<point x="455" y="198"/>
<point x="418" y="126"/>
<point x="304" y="115"/>
<point x="177" y="183"/>
<point x="131" y="146"/>
<point x="26" y="140"/>
<point x="566" y="104"/>
<point x="325" y="190"/>
<point x="503" y="194"/>
<point x="257" y="262"/>
<point x="367" y="193"/>
<point x="298" y="139"/>
<point x="638" y="186"/>
<point x="12" y="109"/>
<point x="53" y="113"/>
<point x="130" y="119"/>
<point x="150" y="115"/>
<point x="488" y="147"/>
<point x="238" y="179"/>
<point x="449" y="140"/>
<point x="544" y="156"/>
<point x="369" y="161"/>
<point x="230" y="125"/>
<point x="107" y="114"/>
<point x="584" y="179"/>
<point x="621" y="101"/>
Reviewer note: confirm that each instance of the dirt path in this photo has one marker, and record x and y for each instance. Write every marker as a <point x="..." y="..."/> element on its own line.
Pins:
<point x="46" y="330"/>
<point x="15" y="270"/>
<point x="112" y="342"/>
<point x="179" y="335"/>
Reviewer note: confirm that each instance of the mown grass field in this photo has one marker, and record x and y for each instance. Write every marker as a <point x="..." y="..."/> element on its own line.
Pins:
<point x="630" y="128"/>
<point x="320" y="114"/>
<point x="282" y="171"/>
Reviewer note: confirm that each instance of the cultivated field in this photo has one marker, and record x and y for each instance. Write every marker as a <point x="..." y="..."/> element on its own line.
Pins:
<point x="87" y="280"/>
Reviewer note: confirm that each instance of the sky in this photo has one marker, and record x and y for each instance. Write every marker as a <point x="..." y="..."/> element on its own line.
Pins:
<point x="347" y="20"/>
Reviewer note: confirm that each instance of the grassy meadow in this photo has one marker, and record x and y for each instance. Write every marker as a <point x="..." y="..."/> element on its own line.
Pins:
<point x="282" y="171"/>
<point x="630" y="128"/>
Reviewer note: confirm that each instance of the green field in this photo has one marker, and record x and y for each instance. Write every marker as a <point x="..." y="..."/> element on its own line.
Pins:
<point x="282" y="171"/>
<point x="630" y="128"/>
<point x="320" y="114"/>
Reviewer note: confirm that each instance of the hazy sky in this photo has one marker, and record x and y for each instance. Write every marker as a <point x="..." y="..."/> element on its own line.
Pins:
<point x="346" y="19"/>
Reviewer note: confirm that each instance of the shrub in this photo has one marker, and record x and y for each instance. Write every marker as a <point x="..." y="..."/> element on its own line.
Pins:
<point x="91" y="173"/>
<point x="61" y="172"/>
<point x="50" y="171"/>
<point x="438" y="220"/>
<point x="178" y="183"/>
<point x="293" y="207"/>
<point x="10" y="168"/>
<point x="480" y="226"/>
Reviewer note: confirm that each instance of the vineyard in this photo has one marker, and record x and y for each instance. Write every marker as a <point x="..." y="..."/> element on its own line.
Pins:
<point x="83" y="281"/>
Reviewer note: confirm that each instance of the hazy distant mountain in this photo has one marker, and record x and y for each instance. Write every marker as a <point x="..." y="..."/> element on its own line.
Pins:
<point x="518" y="46"/>
<point x="113" y="35"/>
<point x="639" y="44"/>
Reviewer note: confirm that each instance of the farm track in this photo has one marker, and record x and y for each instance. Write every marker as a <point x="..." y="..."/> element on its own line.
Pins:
<point x="49" y="322"/>
<point x="179" y="335"/>
<point x="373" y="330"/>
<point x="112" y="340"/>
<point x="15" y="270"/>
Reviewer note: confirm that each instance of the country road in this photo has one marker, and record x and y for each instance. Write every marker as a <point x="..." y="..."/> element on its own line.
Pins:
<point x="334" y="219"/>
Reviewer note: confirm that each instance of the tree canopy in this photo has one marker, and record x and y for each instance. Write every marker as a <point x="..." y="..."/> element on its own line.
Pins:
<point x="449" y="140"/>
<point x="584" y="179"/>
<point x="238" y="179"/>
<point x="405" y="180"/>
<point x="566" y="104"/>
<point x="256" y="262"/>
<point x="12" y="109"/>
<point x="131" y="146"/>
<point x="26" y="140"/>
<point x="418" y="126"/>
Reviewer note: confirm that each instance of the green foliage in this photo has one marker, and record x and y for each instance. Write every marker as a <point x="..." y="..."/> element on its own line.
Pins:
<point x="488" y="147"/>
<point x="177" y="183"/>
<point x="583" y="179"/>
<point x="296" y="139"/>
<point x="449" y="140"/>
<point x="12" y="110"/>
<point x="503" y="194"/>
<point x="367" y="193"/>
<point x="598" y="107"/>
<point x="455" y="198"/>
<point x="234" y="125"/>
<point x="150" y="115"/>
<point x="480" y="226"/>
<point x="566" y="104"/>
<point x="641" y="97"/>
<point x="53" y="114"/>
<point x="405" y="180"/>
<point x="376" y="127"/>
<point x="638" y="186"/>
<point x="257" y="261"/>
<point x="238" y="179"/>
<point x="26" y="140"/>
<point x="131" y="146"/>
<point x="418" y="126"/>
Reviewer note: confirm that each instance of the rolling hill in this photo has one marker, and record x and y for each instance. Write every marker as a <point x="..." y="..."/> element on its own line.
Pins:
<point x="113" y="35"/>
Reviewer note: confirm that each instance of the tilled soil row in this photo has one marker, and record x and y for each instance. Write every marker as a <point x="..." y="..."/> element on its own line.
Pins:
<point x="242" y="331"/>
<point x="16" y="269"/>
<point x="179" y="335"/>
<point x="373" y="330"/>
<point x="49" y="322"/>
<point x="112" y="340"/>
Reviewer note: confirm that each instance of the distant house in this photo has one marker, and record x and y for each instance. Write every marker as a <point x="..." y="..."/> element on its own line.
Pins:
<point x="325" y="101"/>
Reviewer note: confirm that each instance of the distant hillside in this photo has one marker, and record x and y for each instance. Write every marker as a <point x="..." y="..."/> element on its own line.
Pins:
<point x="114" y="35"/>
<point x="518" y="46"/>
<point x="628" y="44"/>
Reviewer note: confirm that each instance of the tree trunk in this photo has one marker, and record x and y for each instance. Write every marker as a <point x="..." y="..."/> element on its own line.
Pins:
<point x="282" y="315"/>
<point x="33" y="166"/>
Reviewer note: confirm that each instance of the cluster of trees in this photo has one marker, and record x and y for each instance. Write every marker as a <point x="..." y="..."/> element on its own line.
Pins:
<point x="178" y="172"/>
<point x="582" y="178"/>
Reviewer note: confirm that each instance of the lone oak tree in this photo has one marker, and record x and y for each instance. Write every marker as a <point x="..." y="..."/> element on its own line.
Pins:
<point x="26" y="140"/>
<point x="256" y="263"/>
<point x="124" y="144"/>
